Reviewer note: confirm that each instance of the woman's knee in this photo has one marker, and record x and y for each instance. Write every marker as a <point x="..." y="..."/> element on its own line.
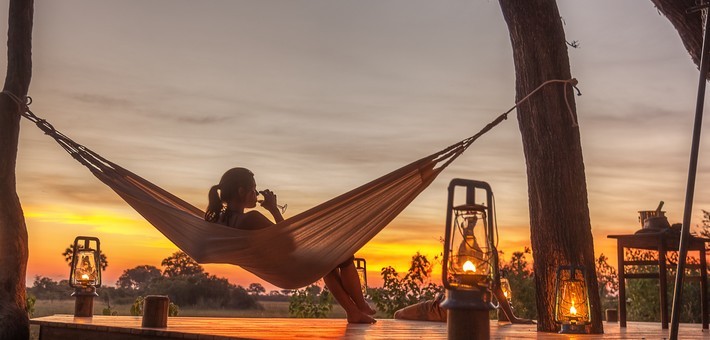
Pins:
<point x="346" y="263"/>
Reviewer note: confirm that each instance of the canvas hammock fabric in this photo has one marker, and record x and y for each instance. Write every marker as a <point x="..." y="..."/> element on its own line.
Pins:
<point x="290" y="254"/>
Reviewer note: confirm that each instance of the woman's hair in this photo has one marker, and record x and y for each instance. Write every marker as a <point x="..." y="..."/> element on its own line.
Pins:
<point x="226" y="190"/>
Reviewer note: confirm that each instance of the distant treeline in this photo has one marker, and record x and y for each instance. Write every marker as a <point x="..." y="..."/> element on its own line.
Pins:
<point x="182" y="279"/>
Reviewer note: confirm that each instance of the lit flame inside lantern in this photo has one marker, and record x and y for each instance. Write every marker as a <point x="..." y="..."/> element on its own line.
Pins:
<point x="469" y="267"/>
<point x="572" y="305"/>
<point x="572" y="309"/>
<point x="505" y="294"/>
<point x="85" y="269"/>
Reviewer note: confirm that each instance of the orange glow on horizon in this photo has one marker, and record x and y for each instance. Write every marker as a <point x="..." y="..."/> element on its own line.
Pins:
<point x="129" y="241"/>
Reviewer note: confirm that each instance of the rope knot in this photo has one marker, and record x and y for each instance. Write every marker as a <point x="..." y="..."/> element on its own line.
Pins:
<point x="22" y="106"/>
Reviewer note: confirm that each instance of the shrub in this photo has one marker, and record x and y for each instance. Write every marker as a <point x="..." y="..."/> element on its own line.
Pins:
<point x="202" y="290"/>
<point x="137" y="307"/>
<point x="44" y="288"/>
<point x="310" y="302"/>
<point x="30" y="304"/>
<point x="414" y="287"/>
<point x="522" y="284"/>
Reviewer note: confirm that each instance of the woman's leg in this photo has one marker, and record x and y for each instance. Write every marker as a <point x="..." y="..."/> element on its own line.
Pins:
<point x="335" y="286"/>
<point x="352" y="285"/>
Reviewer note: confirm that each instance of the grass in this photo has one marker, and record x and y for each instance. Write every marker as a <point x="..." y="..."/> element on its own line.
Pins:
<point x="271" y="309"/>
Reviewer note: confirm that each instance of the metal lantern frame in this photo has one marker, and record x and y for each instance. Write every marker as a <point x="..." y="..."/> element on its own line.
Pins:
<point x="468" y="297"/>
<point x="361" y="268"/>
<point x="83" y="247"/>
<point x="572" y="279"/>
<point x="505" y="288"/>
<point x="491" y="261"/>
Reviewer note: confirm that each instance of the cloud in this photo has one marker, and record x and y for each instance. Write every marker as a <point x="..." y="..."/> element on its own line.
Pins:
<point x="103" y="100"/>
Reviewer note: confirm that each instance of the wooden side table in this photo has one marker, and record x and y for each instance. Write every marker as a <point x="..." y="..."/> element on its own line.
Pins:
<point x="661" y="242"/>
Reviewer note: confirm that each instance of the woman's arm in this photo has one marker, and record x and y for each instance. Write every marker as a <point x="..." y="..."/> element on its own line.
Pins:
<point x="271" y="205"/>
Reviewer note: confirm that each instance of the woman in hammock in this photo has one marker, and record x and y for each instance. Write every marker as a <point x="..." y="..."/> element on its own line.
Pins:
<point x="236" y="192"/>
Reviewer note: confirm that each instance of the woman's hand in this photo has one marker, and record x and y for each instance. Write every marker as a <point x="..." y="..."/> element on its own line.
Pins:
<point x="269" y="203"/>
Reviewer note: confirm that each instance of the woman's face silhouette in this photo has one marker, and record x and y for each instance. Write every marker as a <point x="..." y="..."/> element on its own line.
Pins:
<point x="248" y="194"/>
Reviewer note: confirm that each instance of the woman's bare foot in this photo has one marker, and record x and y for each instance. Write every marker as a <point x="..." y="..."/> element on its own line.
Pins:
<point x="367" y="309"/>
<point x="360" y="318"/>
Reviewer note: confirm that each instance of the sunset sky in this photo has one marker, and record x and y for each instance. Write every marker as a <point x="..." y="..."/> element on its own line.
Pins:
<point x="320" y="96"/>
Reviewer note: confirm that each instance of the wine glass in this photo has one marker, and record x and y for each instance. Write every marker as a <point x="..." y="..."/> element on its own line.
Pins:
<point x="281" y="207"/>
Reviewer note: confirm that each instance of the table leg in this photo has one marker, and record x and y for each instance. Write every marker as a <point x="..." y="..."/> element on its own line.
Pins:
<point x="622" y="284"/>
<point x="663" y="283"/>
<point x="704" y="287"/>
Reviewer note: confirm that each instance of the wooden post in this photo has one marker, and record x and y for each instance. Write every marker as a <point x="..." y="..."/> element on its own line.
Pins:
<point x="84" y="301"/>
<point x="704" y="287"/>
<point x="14" y="323"/>
<point x="155" y="311"/>
<point x="468" y="324"/>
<point x="560" y="229"/>
<point x="84" y="306"/>
<point x="690" y="186"/>
<point x="467" y="314"/>
<point x="663" y="282"/>
<point x="622" y="283"/>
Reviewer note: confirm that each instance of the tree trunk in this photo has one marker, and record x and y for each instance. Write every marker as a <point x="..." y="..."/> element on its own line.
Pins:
<point x="688" y="25"/>
<point x="559" y="216"/>
<point x="14" y="323"/>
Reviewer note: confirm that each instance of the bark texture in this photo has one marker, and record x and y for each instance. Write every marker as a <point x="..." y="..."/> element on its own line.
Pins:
<point x="14" y="323"/>
<point x="688" y="25"/>
<point x="559" y="216"/>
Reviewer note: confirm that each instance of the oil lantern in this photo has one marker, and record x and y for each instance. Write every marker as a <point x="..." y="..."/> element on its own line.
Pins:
<point x="361" y="268"/>
<point x="470" y="259"/>
<point x="85" y="275"/>
<point x="572" y="303"/>
<point x="507" y="295"/>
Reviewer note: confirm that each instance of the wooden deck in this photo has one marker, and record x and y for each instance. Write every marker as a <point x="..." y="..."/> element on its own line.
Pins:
<point x="129" y="328"/>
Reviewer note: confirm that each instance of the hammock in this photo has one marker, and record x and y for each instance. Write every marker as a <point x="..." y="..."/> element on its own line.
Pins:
<point x="290" y="254"/>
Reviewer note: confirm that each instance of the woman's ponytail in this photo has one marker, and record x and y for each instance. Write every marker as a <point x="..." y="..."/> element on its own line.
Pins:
<point x="214" y="205"/>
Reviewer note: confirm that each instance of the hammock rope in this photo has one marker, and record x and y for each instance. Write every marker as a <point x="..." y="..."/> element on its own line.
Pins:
<point x="297" y="251"/>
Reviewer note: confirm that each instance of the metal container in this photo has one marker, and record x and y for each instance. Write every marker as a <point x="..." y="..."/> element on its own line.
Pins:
<point x="646" y="214"/>
<point x="656" y="223"/>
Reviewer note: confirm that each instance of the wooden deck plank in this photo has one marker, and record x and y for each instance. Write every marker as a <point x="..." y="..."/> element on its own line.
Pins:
<point x="128" y="327"/>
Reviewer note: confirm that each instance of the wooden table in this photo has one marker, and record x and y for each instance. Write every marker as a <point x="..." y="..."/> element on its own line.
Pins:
<point x="62" y="327"/>
<point x="662" y="242"/>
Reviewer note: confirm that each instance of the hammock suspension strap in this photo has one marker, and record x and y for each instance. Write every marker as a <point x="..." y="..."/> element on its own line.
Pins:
<point x="449" y="154"/>
<point x="458" y="148"/>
